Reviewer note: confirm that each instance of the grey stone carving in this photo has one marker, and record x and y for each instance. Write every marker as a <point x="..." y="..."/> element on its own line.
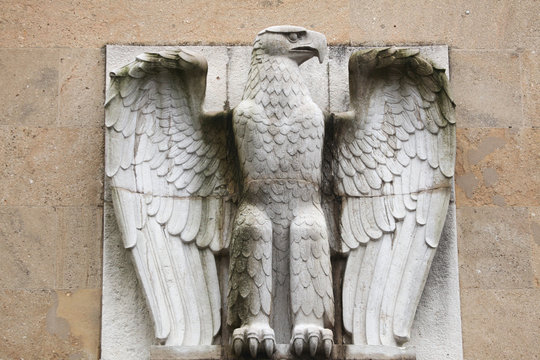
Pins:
<point x="279" y="186"/>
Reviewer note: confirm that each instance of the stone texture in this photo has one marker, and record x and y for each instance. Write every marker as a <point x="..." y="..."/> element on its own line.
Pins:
<point x="239" y="59"/>
<point x="440" y="300"/>
<point x="339" y="352"/>
<point x="39" y="324"/>
<point x="30" y="92"/>
<point x="494" y="248"/>
<point x="338" y="58"/>
<point x="237" y="72"/>
<point x="124" y="308"/>
<point x="535" y="244"/>
<point x="67" y="24"/>
<point x="500" y="324"/>
<point x="81" y="311"/>
<point x="489" y="26"/>
<point x="38" y="170"/>
<point x="216" y="89"/>
<point x="530" y="83"/>
<point x="79" y="249"/>
<point x="485" y="86"/>
<point x="28" y="247"/>
<point x="461" y="24"/>
<point x="81" y="87"/>
<point x="497" y="167"/>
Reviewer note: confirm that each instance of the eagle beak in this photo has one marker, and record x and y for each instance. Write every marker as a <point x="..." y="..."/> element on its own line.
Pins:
<point x="313" y="43"/>
<point x="319" y="43"/>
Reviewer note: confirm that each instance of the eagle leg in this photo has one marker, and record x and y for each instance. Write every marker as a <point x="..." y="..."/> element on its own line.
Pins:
<point x="311" y="283"/>
<point x="250" y="282"/>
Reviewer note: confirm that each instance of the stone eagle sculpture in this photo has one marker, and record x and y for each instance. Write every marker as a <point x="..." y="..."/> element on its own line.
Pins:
<point x="268" y="183"/>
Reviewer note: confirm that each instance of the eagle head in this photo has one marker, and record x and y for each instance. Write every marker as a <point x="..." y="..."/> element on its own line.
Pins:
<point x="293" y="42"/>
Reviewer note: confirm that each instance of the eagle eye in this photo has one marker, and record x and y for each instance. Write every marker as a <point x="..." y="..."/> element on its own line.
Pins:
<point x="293" y="37"/>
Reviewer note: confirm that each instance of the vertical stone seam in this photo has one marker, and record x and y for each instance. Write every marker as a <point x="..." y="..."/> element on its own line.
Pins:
<point x="59" y="250"/>
<point x="522" y="89"/>
<point x="227" y="105"/>
<point x="58" y="85"/>
<point x="328" y="82"/>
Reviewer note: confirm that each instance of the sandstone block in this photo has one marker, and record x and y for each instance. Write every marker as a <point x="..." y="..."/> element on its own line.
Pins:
<point x="497" y="167"/>
<point x="37" y="324"/>
<point x="530" y="82"/>
<point x="494" y="248"/>
<point x="47" y="166"/>
<point x="81" y="310"/>
<point x="28" y="247"/>
<point x="500" y="324"/>
<point x="30" y="91"/>
<point x="486" y="89"/>
<point x="461" y="24"/>
<point x="535" y="233"/>
<point x="82" y="82"/>
<point x="79" y="248"/>
<point x="62" y="24"/>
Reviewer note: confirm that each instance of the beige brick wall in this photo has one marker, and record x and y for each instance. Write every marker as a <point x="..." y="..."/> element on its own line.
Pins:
<point x="51" y="150"/>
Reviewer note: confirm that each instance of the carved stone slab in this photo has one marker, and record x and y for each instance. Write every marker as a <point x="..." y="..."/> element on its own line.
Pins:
<point x="341" y="352"/>
<point x="127" y="331"/>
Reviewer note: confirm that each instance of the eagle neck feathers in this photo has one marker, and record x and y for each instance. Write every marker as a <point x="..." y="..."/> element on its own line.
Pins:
<point x="275" y="83"/>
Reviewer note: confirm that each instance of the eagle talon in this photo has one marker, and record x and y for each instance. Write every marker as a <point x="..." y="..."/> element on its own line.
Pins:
<point x="313" y="344"/>
<point x="298" y="345"/>
<point x="319" y="340"/>
<point x="253" y="339"/>
<point x="328" y="342"/>
<point x="253" y="345"/>
<point x="238" y="344"/>
<point x="269" y="347"/>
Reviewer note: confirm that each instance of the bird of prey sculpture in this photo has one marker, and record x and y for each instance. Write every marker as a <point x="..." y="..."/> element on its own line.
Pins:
<point x="258" y="184"/>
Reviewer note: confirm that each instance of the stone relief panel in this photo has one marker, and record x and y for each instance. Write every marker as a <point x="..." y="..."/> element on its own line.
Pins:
<point x="266" y="208"/>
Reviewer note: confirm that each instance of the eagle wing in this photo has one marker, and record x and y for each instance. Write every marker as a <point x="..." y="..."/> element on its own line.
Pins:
<point x="172" y="186"/>
<point x="393" y="166"/>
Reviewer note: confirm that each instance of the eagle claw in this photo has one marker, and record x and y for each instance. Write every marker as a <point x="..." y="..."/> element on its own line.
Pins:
<point x="313" y="339"/>
<point x="253" y="339"/>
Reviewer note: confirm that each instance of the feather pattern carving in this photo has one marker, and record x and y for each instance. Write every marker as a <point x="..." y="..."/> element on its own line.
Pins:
<point x="394" y="162"/>
<point x="172" y="189"/>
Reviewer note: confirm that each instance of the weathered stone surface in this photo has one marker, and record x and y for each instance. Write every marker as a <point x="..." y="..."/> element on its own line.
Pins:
<point x="440" y="300"/>
<point x="494" y="248"/>
<point x="489" y="25"/>
<point x="81" y="311"/>
<point x="495" y="167"/>
<point x="441" y="296"/>
<point x="51" y="166"/>
<point x="530" y="83"/>
<point x="81" y="87"/>
<point x="216" y="79"/>
<point x="30" y="91"/>
<point x="338" y="58"/>
<point x="535" y="234"/>
<point x="340" y="352"/>
<point x="462" y="24"/>
<point x="44" y="324"/>
<point x="63" y="24"/>
<point x="79" y="247"/>
<point x="237" y="72"/>
<point x="500" y="324"/>
<point x="486" y="88"/>
<point x="28" y="245"/>
<point x="124" y="308"/>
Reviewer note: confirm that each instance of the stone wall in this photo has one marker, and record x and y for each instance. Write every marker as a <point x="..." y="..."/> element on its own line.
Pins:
<point x="51" y="150"/>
